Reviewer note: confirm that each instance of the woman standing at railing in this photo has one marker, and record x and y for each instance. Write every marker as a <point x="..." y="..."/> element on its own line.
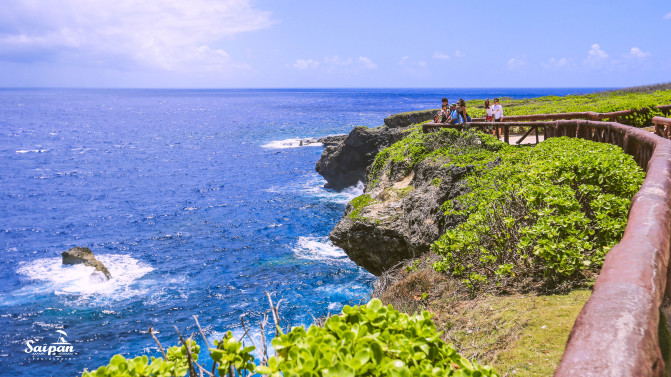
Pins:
<point x="461" y="109"/>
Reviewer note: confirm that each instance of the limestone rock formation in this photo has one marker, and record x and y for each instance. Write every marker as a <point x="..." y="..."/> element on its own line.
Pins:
<point x="406" y="119"/>
<point x="344" y="164"/>
<point x="85" y="256"/>
<point x="333" y="140"/>
<point x="402" y="218"/>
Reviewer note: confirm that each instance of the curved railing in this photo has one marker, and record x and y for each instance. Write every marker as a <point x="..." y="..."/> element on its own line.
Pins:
<point x="616" y="333"/>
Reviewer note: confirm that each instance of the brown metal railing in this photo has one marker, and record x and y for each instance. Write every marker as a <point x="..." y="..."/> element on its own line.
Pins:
<point x="590" y="115"/>
<point x="484" y="127"/>
<point x="616" y="333"/>
<point x="662" y="127"/>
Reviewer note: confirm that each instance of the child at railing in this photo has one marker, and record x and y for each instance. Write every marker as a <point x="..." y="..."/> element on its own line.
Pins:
<point x="442" y="114"/>
<point x="489" y="117"/>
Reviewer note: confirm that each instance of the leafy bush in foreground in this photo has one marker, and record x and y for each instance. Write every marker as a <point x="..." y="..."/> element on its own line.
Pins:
<point x="544" y="217"/>
<point x="366" y="340"/>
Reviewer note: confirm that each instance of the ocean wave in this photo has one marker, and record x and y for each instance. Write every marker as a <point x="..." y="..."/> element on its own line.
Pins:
<point x="22" y="151"/>
<point x="50" y="276"/>
<point x="292" y="143"/>
<point x="319" y="249"/>
<point x="316" y="188"/>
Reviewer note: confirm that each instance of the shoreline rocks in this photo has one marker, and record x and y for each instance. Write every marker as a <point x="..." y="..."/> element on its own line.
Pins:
<point x="84" y="255"/>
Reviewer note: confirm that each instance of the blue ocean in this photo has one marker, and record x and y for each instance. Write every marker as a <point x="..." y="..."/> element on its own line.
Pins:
<point x="197" y="201"/>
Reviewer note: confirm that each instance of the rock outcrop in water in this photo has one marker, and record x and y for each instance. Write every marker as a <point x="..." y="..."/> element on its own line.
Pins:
<point x="84" y="255"/>
<point x="344" y="164"/>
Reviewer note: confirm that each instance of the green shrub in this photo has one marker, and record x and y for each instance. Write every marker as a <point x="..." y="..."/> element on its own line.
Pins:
<point x="372" y="340"/>
<point x="366" y="340"/>
<point x="543" y="218"/>
<point x="458" y="147"/>
<point x="176" y="364"/>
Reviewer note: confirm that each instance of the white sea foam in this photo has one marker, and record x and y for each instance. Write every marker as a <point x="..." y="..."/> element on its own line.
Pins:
<point x="291" y="143"/>
<point x="22" y="151"/>
<point x="335" y="306"/>
<point x="51" y="276"/>
<point x="316" y="188"/>
<point x="318" y="248"/>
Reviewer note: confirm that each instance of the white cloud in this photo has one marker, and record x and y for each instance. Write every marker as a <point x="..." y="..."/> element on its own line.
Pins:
<point x="366" y="63"/>
<point x="459" y="54"/>
<point x="418" y="69"/>
<point x="667" y="16"/>
<point x="306" y="64"/>
<point x="516" y="63"/>
<point x="556" y="63"/>
<point x="440" y="56"/>
<point x="636" y="52"/>
<point x="336" y="63"/>
<point x="596" y="56"/>
<point x="171" y="35"/>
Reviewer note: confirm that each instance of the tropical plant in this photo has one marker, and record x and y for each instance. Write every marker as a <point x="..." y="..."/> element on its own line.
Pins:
<point x="364" y="340"/>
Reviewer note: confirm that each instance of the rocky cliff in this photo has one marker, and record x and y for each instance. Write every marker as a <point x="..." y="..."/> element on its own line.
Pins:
<point x="344" y="164"/>
<point x="399" y="215"/>
<point x="345" y="160"/>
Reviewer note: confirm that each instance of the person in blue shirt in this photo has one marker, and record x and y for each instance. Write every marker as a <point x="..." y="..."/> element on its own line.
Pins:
<point x="455" y="117"/>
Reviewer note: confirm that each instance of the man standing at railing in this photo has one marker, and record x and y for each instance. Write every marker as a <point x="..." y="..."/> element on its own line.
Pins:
<point x="497" y="113"/>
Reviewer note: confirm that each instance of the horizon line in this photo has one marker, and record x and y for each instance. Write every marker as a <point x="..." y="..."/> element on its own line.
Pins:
<point x="309" y="88"/>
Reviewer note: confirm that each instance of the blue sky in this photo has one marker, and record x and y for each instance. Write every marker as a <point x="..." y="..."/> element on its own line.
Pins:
<point x="317" y="44"/>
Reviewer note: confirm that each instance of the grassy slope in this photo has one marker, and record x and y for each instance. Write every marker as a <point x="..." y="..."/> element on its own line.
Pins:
<point x="521" y="335"/>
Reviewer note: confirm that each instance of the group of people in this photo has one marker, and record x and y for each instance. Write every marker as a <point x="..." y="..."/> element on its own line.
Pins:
<point x="457" y="114"/>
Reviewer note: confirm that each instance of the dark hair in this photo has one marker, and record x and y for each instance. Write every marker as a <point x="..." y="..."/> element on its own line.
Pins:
<point x="496" y="100"/>
<point x="487" y="102"/>
<point x="461" y="102"/>
<point x="445" y="100"/>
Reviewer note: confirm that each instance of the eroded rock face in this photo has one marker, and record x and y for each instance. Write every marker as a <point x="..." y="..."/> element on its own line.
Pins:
<point x="344" y="164"/>
<point x="85" y="256"/>
<point x="406" y="119"/>
<point x="403" y="218"/>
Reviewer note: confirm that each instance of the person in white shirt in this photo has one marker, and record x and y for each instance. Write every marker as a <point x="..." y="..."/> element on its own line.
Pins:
<point x="497" y="113"/>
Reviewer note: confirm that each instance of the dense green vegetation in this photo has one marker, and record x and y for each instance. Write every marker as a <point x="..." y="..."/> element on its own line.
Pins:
<point x="543" y="218"/>
<point x="538" y="218"/>
<point x="461" y="148"/>
<point x="603" y="102"/>
<point x="365" y="340"/>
